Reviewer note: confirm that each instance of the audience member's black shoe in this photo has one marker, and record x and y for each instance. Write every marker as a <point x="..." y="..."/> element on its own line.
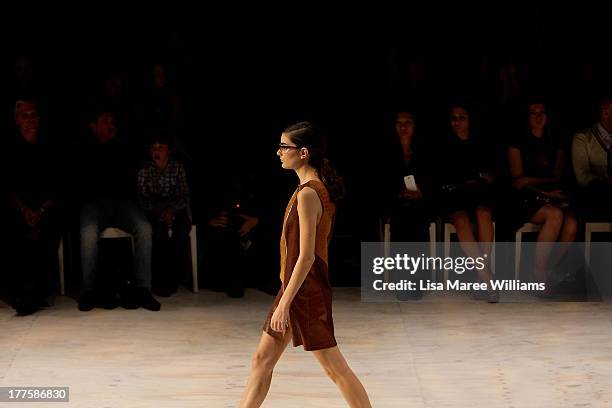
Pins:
<point x="107" y="300"/>
<point x="87" y="301"/>
<point x="416" y="294"/>
<point x="493" y="296"/>
<point x="567" y="287"/>
<point x="129" y="299"/>
<point x="146" y="300"/>
<point x="25" y="305"/>
<point x="90" y="299"/>
<point x="26" y="309"/>
<point x="547" y="294"/>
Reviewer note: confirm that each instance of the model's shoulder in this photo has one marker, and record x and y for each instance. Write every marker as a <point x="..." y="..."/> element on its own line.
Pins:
<point x="308" y="193"/>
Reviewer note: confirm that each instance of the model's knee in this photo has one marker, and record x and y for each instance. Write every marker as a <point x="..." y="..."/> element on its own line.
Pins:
<point x="332" y="374"/>
<point x="336" y="373"/>
<point x="262" y="362"/>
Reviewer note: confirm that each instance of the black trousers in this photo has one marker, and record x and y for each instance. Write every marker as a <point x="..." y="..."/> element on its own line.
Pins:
<point x="594" y="202"/>
<point x="170" y="251"/>
<point x="33" y="256"/>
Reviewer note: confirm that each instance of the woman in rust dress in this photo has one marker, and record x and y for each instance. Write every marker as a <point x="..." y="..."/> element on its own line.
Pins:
<point x="302" y="310"/>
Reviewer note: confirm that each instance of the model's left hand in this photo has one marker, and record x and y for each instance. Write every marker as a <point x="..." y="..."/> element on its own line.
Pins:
<point x="280" y="319"/>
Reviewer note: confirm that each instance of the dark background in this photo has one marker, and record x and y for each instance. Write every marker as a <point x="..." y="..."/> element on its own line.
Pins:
<point x="243" y="74"/>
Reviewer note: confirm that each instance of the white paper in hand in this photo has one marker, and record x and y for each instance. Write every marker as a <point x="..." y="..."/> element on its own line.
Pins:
<point x="410" y="183"/>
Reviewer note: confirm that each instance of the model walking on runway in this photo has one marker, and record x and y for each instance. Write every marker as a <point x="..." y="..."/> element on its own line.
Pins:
<point x="302" y="310"/>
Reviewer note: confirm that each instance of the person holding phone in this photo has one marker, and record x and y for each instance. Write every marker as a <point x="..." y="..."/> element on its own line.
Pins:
<point x="404" y="200"/>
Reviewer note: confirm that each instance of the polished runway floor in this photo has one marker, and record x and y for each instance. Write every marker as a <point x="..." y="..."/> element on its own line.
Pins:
<point x="442" y="351"/>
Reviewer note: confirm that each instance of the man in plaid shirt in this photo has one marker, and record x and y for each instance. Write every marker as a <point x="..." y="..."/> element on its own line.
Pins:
<point x="163" y="194"/>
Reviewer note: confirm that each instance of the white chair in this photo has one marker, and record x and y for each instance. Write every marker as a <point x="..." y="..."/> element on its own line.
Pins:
<point x="118" y="233"/>
<point x="432" y="243"/>
<point x="589" y="229"/>
<point x="449" y="229"/>
<point x="518" y="243"/>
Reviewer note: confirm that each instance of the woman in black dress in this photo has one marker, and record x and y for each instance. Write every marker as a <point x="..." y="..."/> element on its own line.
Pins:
<point x="465" y="191"/>
<point x="536" y="164"/>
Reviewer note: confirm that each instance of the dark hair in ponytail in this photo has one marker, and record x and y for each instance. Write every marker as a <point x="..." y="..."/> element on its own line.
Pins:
<point x="304" y="134"/>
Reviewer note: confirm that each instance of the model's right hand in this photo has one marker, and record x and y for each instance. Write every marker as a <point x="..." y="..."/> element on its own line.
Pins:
<point x="280" y="318"/>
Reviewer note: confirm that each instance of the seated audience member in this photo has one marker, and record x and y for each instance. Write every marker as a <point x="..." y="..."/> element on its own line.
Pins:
<point x="465" y="191"/>
<point x="230" y="234"/>
<point x="34" y="223"/>
<point x="536" y="161"/>
<point x="108" y="189"/>
<point x="405" y="204"/>
<point x="163" y="194"/>
<point x="592" y="162"/>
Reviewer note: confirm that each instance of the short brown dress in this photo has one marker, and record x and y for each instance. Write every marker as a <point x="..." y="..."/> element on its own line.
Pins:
<point x="310" y="313"/>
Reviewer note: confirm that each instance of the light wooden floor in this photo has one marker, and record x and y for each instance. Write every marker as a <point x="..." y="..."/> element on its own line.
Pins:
<point x="438" y="352"/>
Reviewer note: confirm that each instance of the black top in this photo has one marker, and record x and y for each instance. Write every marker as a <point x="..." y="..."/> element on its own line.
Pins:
<point x="538" y="155"/>
<point x="461" y="161"/>
<point x="106" y="171"/>
<point x="33" y="171"/>
<point x="397" y="167"/>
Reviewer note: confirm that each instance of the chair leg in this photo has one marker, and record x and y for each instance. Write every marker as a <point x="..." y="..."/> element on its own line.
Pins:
<point x="387" y="246"/>
<point x="517" y="253"/>
<point x="194" y="258"/>
<point x="387" y="239"/>
<point x="60" y="257"/>
<point x="447" y="237"/>
<point x="493" y="252"/>
<point x="432" y="248"/>
<point x="587" y="245"/>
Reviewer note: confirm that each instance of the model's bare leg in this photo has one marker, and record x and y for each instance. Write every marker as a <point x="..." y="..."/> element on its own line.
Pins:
<point x="265" y="358"/>
<point x="337" y="369"/>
